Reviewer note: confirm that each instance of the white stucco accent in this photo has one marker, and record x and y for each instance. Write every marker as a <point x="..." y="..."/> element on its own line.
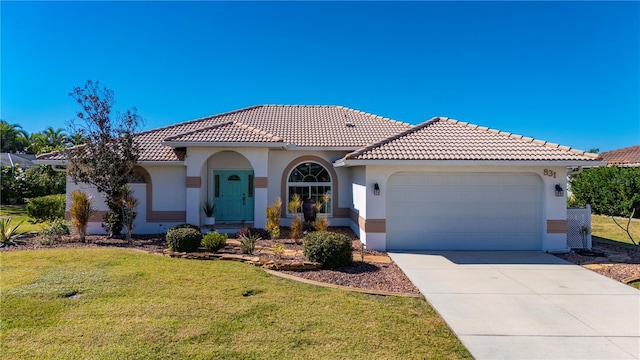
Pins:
<point x="168" y="187"/>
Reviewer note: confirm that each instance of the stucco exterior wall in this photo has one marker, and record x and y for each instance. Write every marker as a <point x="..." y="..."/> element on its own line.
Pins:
<point x="168" y="187"/>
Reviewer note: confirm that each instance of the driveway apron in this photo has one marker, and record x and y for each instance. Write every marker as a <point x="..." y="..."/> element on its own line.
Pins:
<point x="527" y="304"/>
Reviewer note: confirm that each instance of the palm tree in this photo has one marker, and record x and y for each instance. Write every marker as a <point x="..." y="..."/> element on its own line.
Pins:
<point x="37" y="143"/>
<point x="75" y="139"/>
<point x="12" y="137"/>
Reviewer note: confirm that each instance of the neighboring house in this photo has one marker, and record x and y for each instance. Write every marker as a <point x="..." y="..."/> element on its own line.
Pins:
<point x="629" y="156"/>
<point x="443" y="184"/>
<point x="25" y="161"/>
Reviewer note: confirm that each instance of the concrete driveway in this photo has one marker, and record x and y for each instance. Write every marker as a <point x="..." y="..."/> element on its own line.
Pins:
<point x="527" y="305"/>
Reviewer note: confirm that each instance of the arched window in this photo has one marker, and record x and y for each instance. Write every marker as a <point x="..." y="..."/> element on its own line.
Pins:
<point x="310" y="180"/>
<point x="137" y="177"/>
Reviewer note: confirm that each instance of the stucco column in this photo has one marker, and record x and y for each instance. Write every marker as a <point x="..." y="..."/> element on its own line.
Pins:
<point x="195" y="162"/>
<point x="259" y="159"/>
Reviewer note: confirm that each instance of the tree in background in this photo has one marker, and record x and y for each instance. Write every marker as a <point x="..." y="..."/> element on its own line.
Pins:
<point x="611" y="190"/>
<point x="109" y="153"/>
<point x="13" y="138"/>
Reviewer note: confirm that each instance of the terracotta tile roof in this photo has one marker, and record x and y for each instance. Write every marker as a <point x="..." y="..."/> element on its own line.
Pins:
<point x="446" y="139"/>
<point x="302" y="125"/>
<point x="629" y="156"/>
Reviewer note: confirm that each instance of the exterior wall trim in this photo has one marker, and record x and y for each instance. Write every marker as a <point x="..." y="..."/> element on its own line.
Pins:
<point x="557" y="226"/>
<point x="194" y="182"/>
<point x="261" y="182"/>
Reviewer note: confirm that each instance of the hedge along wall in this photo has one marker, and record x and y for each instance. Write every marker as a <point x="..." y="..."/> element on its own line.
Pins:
<point x="611" y="190"/>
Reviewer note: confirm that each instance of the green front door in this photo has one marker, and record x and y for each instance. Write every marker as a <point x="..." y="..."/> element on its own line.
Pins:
<point x="233" y="193"/>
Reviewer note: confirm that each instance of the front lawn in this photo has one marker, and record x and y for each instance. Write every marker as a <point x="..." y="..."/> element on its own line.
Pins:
<point x="603" y="227"/>
<point x="19" y="213"/>
<point x="104" y="303"/>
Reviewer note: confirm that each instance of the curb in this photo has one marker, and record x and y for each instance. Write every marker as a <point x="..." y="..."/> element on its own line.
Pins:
<point x="340" y="287"/>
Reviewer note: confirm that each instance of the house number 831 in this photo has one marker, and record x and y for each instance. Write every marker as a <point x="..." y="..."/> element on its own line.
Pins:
<point x="549" y="173"/>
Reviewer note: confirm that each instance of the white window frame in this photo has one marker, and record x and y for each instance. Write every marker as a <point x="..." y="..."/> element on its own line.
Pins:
<point x="329" y="184"/>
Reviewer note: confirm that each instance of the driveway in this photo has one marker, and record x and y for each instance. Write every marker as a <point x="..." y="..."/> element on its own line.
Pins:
<point x="527" y="304"/>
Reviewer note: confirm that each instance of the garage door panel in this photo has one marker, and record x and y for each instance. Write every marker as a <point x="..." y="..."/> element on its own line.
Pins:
<point x="465" y="211"/>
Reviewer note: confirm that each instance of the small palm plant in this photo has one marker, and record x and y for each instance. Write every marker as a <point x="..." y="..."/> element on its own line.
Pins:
<point x="273" y="218"/>
<point x="81" y="210"/>
<point x="8" y="233"/>
<point x="322" y="221"/>
<point x="297" y="225"/>
<point x="209" y="208"/>
<point x="248" y="243"/>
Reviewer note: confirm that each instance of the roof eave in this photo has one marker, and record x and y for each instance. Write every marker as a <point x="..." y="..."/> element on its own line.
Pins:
<point x="162" y="162"/>
<point x="591" y="163"/>
<point x="51" y="162"/>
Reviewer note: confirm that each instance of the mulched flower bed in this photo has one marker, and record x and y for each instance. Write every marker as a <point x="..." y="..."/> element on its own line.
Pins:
<point x="610" y="269"/>
<point x="366" y="275"/>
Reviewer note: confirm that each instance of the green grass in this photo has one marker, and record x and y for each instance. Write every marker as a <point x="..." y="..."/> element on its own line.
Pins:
<point x="604" y="228"/>
<point x="19" y="213"/>
<point x="117" y="304"/>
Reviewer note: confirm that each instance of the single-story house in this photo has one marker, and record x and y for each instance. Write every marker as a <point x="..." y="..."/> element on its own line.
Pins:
<point x="629" y="156"/>
<point x="443" y="184"/>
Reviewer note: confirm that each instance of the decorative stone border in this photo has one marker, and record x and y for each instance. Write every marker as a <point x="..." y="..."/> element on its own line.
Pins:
<point x="248" y="259"/>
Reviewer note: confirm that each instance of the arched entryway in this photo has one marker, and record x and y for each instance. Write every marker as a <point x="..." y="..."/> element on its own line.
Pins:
<point x="231" y="186"/>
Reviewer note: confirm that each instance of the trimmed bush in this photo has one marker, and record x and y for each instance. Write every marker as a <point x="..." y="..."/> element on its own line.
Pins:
<point x="184" y="226"/>
<point x="52" y="234"/>
<point x="261" y="233"/>
<point x="214" y="241"/>
<point x="330" y="249"/>
<point x="46" y="208"/>
<point x="184" y="239"/>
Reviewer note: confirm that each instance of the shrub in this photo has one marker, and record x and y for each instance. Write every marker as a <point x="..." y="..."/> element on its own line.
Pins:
<point x="46" y="208"/>
<point x="81" y="210"/>
<point x="273" y="218"/>
<point x="330" y="249"/>
<point x="262" y="233"/>
<point x="184" y="226"/>
<point x="278" y="250"/>
<point x="214" y="241"/>
<point x="52" y="233"/>
<point x="43" y="180"/>
<point x="129" y="214"/>
<point x="184" y="239"/>
<point x="248" y="243"/>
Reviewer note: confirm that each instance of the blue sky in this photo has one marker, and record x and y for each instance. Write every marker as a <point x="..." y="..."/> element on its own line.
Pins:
<point x="565" y="72"/>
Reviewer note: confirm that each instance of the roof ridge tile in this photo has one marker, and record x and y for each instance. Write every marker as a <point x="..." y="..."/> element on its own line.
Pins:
<point x="209" y="117"/>
<point x="172" y="137"/>
<point x="393" y="137"/>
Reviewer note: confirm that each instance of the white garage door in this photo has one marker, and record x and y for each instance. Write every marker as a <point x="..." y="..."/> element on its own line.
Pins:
<point x="464" y="211"/>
